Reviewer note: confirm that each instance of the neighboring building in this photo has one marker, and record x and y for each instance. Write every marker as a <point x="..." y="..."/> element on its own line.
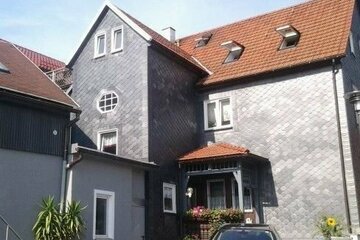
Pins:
<point x="274" y="84"/>
<point x="37" y="160"/>
<point x="34" y="119"/>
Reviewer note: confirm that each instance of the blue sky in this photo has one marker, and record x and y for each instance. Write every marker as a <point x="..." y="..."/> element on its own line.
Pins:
<point x="55" y="27"/>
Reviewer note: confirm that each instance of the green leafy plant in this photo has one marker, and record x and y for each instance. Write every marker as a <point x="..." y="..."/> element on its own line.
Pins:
<point x="191" y="237"/>
<point x="51" y="224"/>
<point x="215" y="217"/>
<point x="329" y="226"/>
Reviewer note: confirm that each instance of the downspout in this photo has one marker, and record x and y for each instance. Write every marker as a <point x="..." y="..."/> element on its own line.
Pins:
<point x="65" y="161"/>
<point x="341" y="149"/>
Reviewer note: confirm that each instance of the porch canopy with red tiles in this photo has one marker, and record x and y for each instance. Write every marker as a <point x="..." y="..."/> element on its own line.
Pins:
<point x="217" y="158"/>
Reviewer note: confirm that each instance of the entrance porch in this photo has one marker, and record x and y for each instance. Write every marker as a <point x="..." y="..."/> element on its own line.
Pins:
<point x="222" y="176"/>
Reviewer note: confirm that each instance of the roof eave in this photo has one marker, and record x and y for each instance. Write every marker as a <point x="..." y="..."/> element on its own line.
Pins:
<point x="202" y="85"/>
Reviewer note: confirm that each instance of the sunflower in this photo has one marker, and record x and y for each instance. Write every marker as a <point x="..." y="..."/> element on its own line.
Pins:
<point x="331" y="221"/>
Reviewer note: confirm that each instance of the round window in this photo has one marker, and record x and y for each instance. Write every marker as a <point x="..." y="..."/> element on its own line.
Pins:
<point x="107" y="102"/>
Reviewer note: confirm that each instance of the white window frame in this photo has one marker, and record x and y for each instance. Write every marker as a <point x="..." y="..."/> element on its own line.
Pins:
<point x="173" y="195"/>
<point x="351" y="42"/>
<point x="110" y="213"/>
<point x="99" y="98"/>
<point x="208" y="190"/>
<point x="113" y="42"/>
<point x="99" y="133"/>
<point x="233" y="181"/>
<point x="97" y="35"/>
<point x="217" y="114"/>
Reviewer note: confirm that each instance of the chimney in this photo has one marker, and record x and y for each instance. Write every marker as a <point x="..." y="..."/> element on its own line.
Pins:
<point x="169" y="34"/>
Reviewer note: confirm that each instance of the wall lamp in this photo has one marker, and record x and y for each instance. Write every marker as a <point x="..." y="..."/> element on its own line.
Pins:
<point x="354" y="99"/>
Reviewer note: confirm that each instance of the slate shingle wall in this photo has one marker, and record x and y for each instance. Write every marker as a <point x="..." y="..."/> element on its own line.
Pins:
<point x="291" y="121"/>
<point x="126" y="74"/>
<point x="172" y="132"/>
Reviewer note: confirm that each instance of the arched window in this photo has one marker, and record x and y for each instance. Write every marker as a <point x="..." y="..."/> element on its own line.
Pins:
<point x="107" y="102"/>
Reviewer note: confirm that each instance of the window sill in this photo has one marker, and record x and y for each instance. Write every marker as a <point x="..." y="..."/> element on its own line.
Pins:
<point x="218" y="128"/>
<point x="99" y="56"/>
<point x="249" y="211"/>
<point x="116" y="50"/>
<point x="171" y="212"/>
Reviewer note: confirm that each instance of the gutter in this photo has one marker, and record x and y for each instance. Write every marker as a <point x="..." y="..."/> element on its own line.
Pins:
<point x="65" y="161"/>
<point x="341" y="149"/>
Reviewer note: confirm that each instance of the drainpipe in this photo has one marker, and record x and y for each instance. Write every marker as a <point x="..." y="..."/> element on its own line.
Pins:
<point x="341" y="149"/>
<point x="65" y="161"/>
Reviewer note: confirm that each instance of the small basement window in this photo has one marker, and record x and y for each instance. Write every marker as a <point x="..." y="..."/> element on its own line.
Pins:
<point x="235" y="51"/>
<point x="290" y="36"/>
<point x="169" y="197"/>
<point x="117" y="39"/>
<point x="108" y="102"/>
<point x="108" y="141"/>
<point x="100" y="44"/>
<point x="104" y="216"/>
<point x="200" y="42"/>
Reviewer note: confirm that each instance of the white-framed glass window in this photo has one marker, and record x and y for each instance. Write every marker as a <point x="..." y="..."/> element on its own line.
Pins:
<point x="100" y="44"/>
<point x="108" y="141"/>
<point x="104" y="214"/>
<point x="218" y="114"/>
<point x="117" y="39"/>
<point x="216" y="194"/>
<point x="107" y="102"/>
<point x="169" y="197"/>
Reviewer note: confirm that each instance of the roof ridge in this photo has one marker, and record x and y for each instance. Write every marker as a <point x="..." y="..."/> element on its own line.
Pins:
<point x="18" y="46"/>
<point x="232" y="146"/>
<point x="308" y="2"/>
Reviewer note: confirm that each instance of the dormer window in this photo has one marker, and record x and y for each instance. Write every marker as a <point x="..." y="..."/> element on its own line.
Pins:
<point x="200" y="42"/>
<point x="290" y="36"/>
<point x="100" y="44"/>
<point x="235" y="51"/>
<point x="3" y="68"/>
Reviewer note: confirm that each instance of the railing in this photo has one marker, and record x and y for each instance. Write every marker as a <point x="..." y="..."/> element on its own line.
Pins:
<point x="61" y="77"/>
<point x="9" y="230"/>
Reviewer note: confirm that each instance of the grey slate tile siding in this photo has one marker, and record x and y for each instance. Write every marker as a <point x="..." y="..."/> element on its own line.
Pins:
<point x="351" y="81"/>
<point x="172" y="132"/>
<point x="291" y="121"/>
<point x="126" y="74"/>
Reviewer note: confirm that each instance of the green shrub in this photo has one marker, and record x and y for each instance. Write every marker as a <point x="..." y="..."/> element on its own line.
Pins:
<point x="215" y="217"/>
<point x="51" y="224"/>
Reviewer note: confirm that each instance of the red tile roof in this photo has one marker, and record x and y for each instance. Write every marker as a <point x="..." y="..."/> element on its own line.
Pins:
<point x="215" y="151"/>
<point x="26" y="78"/>
<point x="324" y="26"/>
<point x="44" y="62"/>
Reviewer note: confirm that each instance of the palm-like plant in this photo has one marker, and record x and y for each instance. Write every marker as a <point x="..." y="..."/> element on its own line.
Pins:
<point x="51" y="224"/>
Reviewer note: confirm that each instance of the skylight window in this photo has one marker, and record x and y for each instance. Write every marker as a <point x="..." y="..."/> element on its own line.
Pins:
<point x="3" y="68"/>
<point x="290" y="36"/>
<point x="200" y="42"/>
<point x="235" y="51"/>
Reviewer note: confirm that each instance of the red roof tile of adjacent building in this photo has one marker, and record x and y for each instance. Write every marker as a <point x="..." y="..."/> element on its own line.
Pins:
<point x="215" y="151"/>
<point x="26" y="78"/>
<point x="324" y="26"/>
<point x="44" y="62"/>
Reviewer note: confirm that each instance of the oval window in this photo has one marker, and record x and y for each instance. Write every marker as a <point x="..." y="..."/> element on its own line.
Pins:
<point x="107" y="102"/>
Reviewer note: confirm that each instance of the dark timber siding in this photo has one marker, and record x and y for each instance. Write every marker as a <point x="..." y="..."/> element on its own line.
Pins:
<point x="27" y="129"/>
<point x="172" y="133"/>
